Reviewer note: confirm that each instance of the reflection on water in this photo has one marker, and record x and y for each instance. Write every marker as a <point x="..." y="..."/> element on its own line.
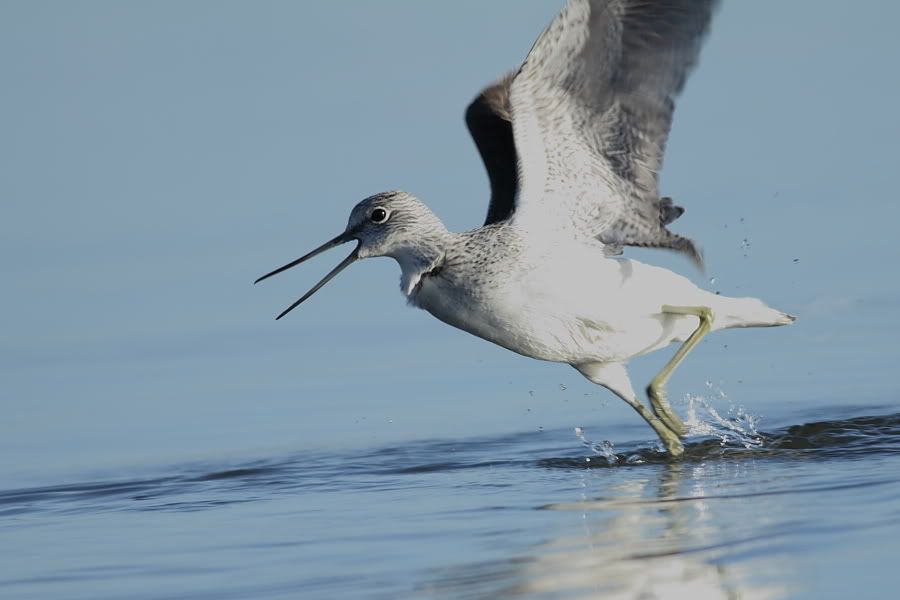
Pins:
<point x="491" y="517"/>
<point x="645" y="539"/>
<point x="673" y="533"/>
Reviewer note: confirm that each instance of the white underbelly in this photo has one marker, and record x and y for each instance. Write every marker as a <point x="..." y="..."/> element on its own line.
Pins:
<point x="557" y="317"/>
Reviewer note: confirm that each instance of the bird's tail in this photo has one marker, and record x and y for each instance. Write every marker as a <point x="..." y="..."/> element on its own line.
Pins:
<point x="748" y="312"/>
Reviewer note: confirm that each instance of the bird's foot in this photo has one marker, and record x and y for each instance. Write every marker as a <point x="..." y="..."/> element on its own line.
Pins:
<point x="663" y="410"/>
<point x="670" y="440"/>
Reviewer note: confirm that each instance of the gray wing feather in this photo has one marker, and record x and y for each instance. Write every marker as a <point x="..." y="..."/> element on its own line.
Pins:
<point x="592" y="108"/>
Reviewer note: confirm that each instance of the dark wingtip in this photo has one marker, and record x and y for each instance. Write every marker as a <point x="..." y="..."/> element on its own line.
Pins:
<point x="685" y="246"/>
<point x="696" y="255"/>
<point x="668" y="210"/>
<point x="656" y="237"/>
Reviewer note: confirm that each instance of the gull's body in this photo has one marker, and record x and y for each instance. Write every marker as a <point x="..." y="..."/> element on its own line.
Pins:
<point x="572" y="143"/>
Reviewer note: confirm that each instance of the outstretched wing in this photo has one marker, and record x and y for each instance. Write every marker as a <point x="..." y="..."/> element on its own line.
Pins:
<point x="592" y="107"/>
<point x="489" y="119"/>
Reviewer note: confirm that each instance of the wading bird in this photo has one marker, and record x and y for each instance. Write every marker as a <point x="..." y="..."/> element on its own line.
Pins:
<point x="573" y="142"/>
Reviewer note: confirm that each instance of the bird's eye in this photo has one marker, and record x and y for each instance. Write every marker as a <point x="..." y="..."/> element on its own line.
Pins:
<point x="379" y="215"/>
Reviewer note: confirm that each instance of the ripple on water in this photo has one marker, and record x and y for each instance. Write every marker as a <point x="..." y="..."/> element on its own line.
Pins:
<point x="516" y="515"/>
<point x="851" y="438"/>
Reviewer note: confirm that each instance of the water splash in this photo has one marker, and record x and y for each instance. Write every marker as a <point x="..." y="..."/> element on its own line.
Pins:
<point x="603" y="449"/>
<point x="736" y="428"/>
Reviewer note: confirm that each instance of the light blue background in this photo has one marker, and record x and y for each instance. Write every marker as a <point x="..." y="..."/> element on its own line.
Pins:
<point x="157" y="157"/>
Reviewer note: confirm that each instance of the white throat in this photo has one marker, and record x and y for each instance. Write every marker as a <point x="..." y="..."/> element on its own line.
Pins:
<point x="414" y="265"/>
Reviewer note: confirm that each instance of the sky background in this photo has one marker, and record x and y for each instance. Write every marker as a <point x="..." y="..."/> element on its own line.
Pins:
<point x="157" y="157"/>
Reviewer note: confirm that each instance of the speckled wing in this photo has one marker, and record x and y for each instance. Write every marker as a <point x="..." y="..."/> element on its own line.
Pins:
<point x="489" y="119"/>
<point x="592" y="107"/>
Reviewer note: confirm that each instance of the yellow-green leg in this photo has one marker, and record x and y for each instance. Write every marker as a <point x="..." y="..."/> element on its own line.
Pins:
<point x="614" y="377"/>
<point x="669" y="438"/>
<point x="657" y="388"/>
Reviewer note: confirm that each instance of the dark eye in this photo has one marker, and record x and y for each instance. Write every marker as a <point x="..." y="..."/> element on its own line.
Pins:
<point x="379" y="215"/>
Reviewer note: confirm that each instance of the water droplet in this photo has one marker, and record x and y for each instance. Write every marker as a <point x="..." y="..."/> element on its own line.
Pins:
<point x="796" y="260"/>
<point x="603" y="449"/>
<point x="712" y="281"/>
<point x="562" y="386"/>
<point x="606" y="450"/>
<point x="540" y="428"/>
<point x="736" y="429"/>
<point x="531" y="393"/>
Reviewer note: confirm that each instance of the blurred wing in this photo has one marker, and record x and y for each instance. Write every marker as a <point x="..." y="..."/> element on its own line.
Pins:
<point x="592" y="107"/>
<point x="489" y="120"/>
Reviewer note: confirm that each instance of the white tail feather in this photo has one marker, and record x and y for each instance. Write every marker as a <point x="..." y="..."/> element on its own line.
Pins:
<point x="748" y="312"/>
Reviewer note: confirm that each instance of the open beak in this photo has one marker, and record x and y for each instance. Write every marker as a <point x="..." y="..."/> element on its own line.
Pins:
<point x="341" y="239"/>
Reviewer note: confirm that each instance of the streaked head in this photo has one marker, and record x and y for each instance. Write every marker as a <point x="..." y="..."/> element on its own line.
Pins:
<point x="386" y="224"/>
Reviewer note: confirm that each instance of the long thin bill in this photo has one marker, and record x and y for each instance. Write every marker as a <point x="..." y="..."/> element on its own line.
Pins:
<point x="344" y="264"/>
<point x="341" y="239"/>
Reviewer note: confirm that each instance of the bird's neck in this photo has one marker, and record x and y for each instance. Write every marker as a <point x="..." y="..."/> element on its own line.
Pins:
<point x="420" y="258"/>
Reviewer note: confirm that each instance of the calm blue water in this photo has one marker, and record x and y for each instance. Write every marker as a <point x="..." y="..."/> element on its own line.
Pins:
<point x="812" y="511"/>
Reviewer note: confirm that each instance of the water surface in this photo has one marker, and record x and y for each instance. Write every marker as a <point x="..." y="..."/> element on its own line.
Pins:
<point x="809" y="510"/>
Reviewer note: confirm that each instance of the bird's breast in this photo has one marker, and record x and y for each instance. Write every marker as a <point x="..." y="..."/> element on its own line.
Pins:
<point x="582" y="308"/>
<point x="506" y="310"/>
